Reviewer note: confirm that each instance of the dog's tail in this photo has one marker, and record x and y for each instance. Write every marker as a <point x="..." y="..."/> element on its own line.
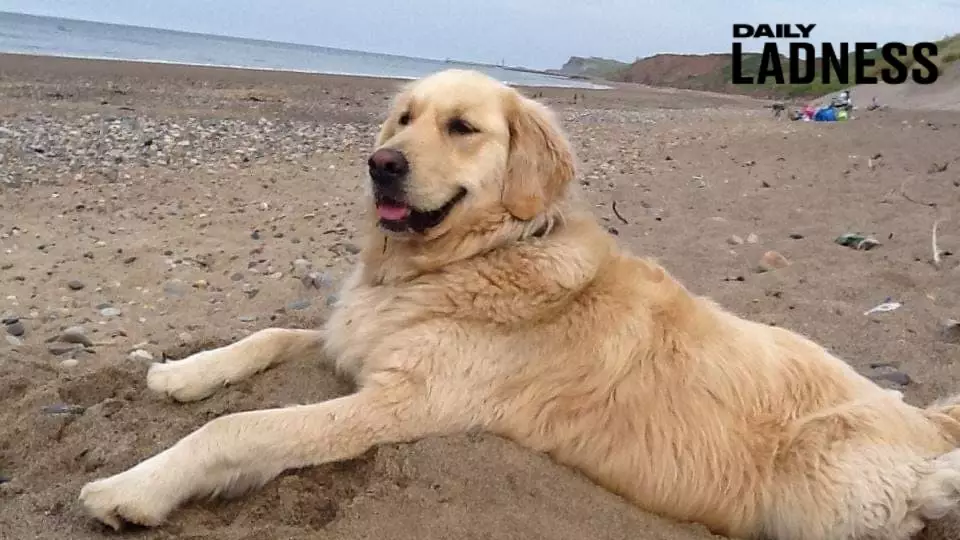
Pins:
<point x="938" y="491"/>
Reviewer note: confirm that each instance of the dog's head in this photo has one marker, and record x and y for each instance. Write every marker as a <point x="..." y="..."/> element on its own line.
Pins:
<point x="458" y="148"/>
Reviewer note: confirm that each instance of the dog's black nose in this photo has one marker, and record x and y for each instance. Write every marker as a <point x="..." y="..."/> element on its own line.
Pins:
<point x="387" y="166"/>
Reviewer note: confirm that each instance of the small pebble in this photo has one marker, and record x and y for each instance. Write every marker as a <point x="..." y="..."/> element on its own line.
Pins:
<point x="298" y="305"/>
<point x="14" y="341"/>
<point x="950" y="331"/>
<point x="69" y="363"/>
<point x="753" y="238"/>
<point x="75" y="334"/>
<point x="247" y="318"/>
<point x="110" y="312"/>
<point x="141" y="355"/>
<point x="314" y="279"/>
<point x="734" y="240"/>
<point x="60" y="349"/>
<point x="896" y="377"/>
<point x="771" y="261"/>
<point x="75" y="285"/>
<point x="16" y="329"/>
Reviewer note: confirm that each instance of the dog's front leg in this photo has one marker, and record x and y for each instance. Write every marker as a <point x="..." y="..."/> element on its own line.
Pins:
<point x="200" y="375"/>
<point x="245" y="450"/>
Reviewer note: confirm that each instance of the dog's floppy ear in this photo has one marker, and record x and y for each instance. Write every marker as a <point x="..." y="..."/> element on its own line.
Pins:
<point x="541" y="162"/>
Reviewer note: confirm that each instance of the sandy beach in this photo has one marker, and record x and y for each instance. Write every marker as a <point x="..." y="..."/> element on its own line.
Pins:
<point x="151" y="211"/>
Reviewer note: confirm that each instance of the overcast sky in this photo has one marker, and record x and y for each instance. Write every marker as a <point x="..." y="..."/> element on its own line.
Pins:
<point x="534" y="33"/>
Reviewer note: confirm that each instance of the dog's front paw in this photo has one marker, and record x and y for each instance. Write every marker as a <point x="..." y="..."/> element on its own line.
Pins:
<point x="191" y="379"/>
<point x="125" y="498"/>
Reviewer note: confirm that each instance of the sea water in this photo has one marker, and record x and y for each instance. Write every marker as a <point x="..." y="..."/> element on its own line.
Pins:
<point x="50" y="36"/>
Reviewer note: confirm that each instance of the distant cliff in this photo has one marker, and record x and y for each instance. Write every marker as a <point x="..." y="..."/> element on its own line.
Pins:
<point x="714" y="72"/>
<point x="593" y="66"/>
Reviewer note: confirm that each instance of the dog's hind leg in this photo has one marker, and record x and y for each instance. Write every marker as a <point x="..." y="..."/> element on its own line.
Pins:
<point x="862" y="471"/>
<point x="241" y="451"/>
<point x="200" y="375"/>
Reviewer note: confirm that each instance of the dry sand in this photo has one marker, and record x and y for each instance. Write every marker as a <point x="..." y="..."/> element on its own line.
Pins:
<point x="167" y="209"/>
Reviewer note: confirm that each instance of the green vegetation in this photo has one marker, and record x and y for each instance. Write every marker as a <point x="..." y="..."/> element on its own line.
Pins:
<point x="593" y="66"/>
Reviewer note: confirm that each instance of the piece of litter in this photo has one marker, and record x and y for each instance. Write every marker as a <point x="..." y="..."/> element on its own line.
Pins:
<point x="884" y="307"/>
<point x="63" y="408"/>
<point x="857" y="241"/>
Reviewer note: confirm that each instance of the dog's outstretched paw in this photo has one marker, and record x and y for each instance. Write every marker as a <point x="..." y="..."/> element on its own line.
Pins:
<point x="191" y="379"/>
<point x="119" y="499"/>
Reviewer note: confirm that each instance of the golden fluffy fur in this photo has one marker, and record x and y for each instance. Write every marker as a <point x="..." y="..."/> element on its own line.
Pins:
<point x="519" y="315"/>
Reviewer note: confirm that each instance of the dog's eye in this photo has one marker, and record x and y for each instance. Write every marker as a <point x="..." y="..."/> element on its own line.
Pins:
<point x="404" y="119"/>
<point x="459" y="127"/>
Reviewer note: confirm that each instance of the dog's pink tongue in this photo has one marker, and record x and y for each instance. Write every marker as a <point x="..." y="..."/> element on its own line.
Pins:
<point x="392" y="212"/>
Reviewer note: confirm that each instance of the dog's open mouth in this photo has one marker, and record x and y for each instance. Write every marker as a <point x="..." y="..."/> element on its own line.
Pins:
<point x="398" y="216"/>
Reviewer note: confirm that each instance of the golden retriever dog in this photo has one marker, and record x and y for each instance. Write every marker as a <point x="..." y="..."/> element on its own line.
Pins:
<point x="488" y="297"/>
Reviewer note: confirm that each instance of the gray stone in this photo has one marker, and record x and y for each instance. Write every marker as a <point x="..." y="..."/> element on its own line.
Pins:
<point x="75" y="285"/>
<point x="896" y="377"/>
<point x="110" y="312"/>
<point x="298" y="305"/>
<point x="60" y="349"/>
<point x="16" y="329"/>
<point x="75" y="334"/>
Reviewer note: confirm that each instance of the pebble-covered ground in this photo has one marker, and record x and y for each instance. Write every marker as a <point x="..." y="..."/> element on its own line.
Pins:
<point x="147" y="212"/>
